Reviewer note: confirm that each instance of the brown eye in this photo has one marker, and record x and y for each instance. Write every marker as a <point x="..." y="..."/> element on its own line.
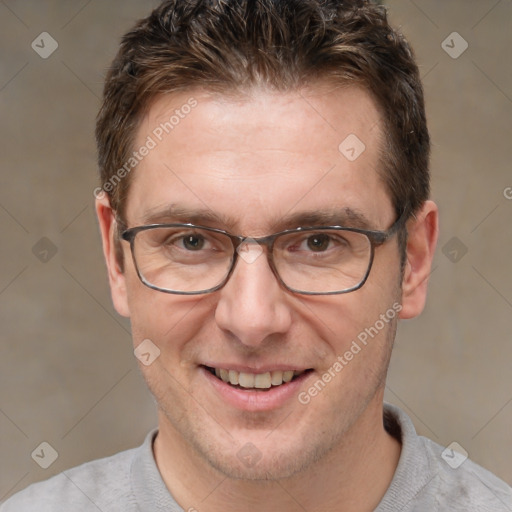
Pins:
<point x="318" y="242"/>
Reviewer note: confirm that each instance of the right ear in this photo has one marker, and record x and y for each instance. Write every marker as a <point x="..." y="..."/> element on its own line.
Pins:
<point x="116" y="276"/>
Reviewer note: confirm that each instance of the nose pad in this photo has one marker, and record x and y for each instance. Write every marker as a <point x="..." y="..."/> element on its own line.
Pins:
<point x="249" y="250"/>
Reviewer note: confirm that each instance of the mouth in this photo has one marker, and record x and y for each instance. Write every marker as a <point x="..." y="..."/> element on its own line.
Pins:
<point x="256" y="381"/>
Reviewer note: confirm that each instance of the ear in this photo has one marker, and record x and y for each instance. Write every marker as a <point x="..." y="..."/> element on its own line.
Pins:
<point x="116" y="277"/>
<point x="422" y="230"/>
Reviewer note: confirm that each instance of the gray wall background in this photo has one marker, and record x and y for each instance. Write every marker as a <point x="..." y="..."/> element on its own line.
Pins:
<point x="68" y="375"/>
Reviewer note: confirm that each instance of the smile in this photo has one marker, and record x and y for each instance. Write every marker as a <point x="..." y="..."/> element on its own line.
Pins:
<point x="245" y="380"/>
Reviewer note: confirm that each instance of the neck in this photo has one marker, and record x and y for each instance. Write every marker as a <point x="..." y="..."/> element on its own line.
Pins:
<point x="353" y="476"/>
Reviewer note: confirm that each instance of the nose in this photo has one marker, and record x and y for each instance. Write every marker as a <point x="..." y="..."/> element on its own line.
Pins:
<point x="252" y="305"/>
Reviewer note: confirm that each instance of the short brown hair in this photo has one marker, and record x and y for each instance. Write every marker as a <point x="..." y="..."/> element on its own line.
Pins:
<point x="231" y="45"/>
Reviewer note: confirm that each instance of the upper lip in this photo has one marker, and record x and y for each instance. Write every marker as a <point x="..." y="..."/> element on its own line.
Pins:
<point x="259" y="369"/>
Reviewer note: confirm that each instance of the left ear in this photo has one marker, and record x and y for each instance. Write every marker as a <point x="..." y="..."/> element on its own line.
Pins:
<point x="423" y="230"/>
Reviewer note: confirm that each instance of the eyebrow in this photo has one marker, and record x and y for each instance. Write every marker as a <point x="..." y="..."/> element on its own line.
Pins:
<point x="346" y="216"/>
<point x="181" y="214"/>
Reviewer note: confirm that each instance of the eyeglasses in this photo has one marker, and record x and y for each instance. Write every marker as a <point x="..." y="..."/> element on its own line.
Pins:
<point x="188" y="259"/>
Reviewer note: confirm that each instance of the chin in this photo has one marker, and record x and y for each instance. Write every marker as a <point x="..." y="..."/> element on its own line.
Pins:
<point x="263" y="458"/>
<point x="266" y="467"/>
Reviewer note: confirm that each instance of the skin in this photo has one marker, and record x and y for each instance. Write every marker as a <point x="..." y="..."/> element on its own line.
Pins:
<point x="252" y="160"/>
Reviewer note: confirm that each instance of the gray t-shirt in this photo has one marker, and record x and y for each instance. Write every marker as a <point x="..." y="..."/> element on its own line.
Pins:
<point x="130" y="482"/>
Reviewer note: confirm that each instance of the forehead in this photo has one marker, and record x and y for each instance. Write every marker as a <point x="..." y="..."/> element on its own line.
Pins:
<point x="256" y="157"/>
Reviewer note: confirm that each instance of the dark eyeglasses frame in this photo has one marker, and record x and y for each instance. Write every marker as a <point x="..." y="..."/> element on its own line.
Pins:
<point x="376" y="239"/>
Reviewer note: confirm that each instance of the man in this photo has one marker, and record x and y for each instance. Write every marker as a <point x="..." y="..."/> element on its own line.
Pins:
<point x="265" y="220"/>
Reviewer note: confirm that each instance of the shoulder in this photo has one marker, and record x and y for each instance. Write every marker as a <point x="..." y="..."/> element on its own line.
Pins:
<point x="464" y="485"/>
<point x="102" y="484"/>
<point x="432" y="477"/>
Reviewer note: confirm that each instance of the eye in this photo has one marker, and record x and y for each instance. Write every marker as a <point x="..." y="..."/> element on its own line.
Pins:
<point x="200" y="242"/>
<point x="171" y="239"/>
<point x="323" y="242"/>
<point x="318" y="242"/>
<point x="193" y="242"/>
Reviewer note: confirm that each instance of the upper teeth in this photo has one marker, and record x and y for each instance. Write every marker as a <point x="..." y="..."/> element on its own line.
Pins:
<point x="256" y="380"/>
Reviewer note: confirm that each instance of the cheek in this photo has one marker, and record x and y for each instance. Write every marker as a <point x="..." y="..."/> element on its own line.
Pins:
<point x="340" y="319"/>
<point x="360" y="337"/>
<point x="169" y="321"/>
<point x="182" y="328"/>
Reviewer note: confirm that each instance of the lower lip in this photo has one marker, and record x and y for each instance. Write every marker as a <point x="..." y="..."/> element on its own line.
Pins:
<point x="253" y="400"/>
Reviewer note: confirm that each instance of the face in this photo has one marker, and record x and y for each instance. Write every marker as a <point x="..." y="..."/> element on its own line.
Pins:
<point x="253" y="166"/>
